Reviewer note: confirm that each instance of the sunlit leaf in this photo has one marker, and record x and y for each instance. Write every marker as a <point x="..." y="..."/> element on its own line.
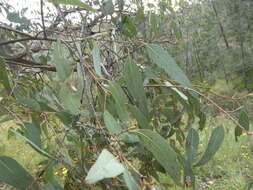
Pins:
<point x="78" y="3"/>
<point x="106" y="166"/>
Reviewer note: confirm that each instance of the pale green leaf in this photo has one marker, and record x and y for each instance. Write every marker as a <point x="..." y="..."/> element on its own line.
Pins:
<point x="106" y="166"/>
<point x="130" y="181"/>
<point x="107" y="7"/>
<point x="63" y="66"/>
<point x="97" y="60"/>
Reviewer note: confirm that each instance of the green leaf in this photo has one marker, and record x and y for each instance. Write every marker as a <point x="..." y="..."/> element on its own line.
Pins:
<point x="214" y="144"/>
<point x="163" y="60"/>
<point x="130" y="181"/>
<point x="107" y="7"/>
<point x="31" y="103"/>
<point x="244" y="122"/>
<point x="162" y="151"/>
<point x="191" y="145"/>
<point x="127" y="26"/>
<point x="111" y="123"/>
<point x="78" y="3"/>
<point x="62" y="65"/>
<point x="70" y="99"/>
<point x="97" y="60"/>
<point x="119" y="97"/>
<point x="134" y="84"/>
<point x="138" y="115"/>
<point x="114" y="127"/>
<point x="33" y="132"/>
<point x="4" y="79"/>
<point x="37" y="148"/>
<point x="106" y="166"/>
<point x="12" y="173"/>
<point x="181" y="94"/>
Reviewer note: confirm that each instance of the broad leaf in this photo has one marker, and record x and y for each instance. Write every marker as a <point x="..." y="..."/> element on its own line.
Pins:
<point x="214" y="144"/>
<point x="106" y="166"/>
<point x="31" y="103"/>
<point x="32" y="131"/>
<point x="78" y="3"/>
<point x="111" y="123"/>
<point x="191" y="145"/>
<point x="135" y="85"/>
<point x="4" y="79"/>
<point x="62" y="65"/>
<point x="130" y="181"/>
<point x="162" y="151"/>
<point x="97" y="60"/>
<point x="12" y="173"/>
<point x="163" y="60"/>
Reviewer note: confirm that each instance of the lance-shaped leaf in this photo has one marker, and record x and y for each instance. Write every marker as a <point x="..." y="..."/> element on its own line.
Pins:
<point x="163" y="60"/>
<point x="78" y="3"/>
<point x="107" y="7"/>
<point x="191" y="145"/>
<point x="130" y="181"/>
<point x="97" y="60"/>
<point x="62" y="65"/>
<point x="12" y="173"/>
<point x="119" y="97"/>
<point x="134" y="84"/>
<point x="244" y="122"/>
<point x="4" y="79"/>
<point x="162" y="151"/>
<point x="106" y="166"/>
<point x="214" y="144"/>
<point x="138" y="115"/>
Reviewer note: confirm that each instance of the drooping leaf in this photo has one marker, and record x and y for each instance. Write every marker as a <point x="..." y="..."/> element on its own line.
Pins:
<point x="12" y="173"/>
<point x="162" y="151"/>
<point x="32" y="131"/>
<point x="163" y="60"/>
<point x="107" y="7"/>
<point x="244" y="122"/>
<point x="70" y="99"/>
<point x="97" y="60"/>
<point x="138" y="115"/>
<point x="4" y="79"/>
<point x="181" y="94"/>
<point x="134" y="84"/>
<point x="106" y="166"/>
<point x="78" y="3"/>
<point x="119" y="97"/>
<point x="37" y="148"/>
<point x="130" y="181"/>
<point x="111" y="123"/>
<point x="114" y="127"/>
<point x="214" y="144"/>
<point x="63" y="66"/>
<point x="191" y="145"/>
